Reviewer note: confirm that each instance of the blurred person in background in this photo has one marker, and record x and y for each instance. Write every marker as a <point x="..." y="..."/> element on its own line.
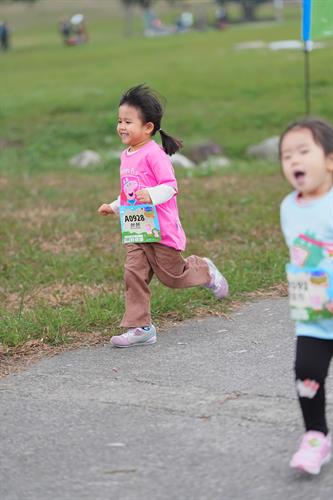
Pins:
<point x="4" y="35"/>
<point x="73" y="30"/>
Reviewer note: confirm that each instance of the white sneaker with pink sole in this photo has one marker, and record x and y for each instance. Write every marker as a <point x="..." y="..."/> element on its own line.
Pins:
<point x="218" y="283"/>
<point x="145" y="335"/>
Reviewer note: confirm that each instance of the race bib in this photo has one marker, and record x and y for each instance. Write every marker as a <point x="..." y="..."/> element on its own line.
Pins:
<point x="310" y="293"/>
<point x="139" y="224"/>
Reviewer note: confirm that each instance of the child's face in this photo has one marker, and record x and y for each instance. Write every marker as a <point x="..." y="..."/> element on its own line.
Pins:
<point x="131" y="130"/>
<point x="305" y="164"/>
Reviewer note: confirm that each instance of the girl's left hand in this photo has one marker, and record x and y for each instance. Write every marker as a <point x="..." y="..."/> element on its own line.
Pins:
<point x="143" y="196"/>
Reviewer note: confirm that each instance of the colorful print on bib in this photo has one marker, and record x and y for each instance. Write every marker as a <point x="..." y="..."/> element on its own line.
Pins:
<point x="310" y="293"/>
<point x="310" y="279"/>
<point x="139" y="224"/>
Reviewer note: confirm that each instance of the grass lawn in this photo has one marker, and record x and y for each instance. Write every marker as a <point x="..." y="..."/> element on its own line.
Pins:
<point x="61" y="265"/>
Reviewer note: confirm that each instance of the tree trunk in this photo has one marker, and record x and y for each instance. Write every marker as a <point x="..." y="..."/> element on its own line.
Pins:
<point x="248" y="10"/>
<point x="128" y="17"/>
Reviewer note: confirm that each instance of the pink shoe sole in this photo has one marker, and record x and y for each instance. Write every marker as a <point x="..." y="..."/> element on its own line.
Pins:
<point x="148" y="342"/>
<point x="294" y="464"/>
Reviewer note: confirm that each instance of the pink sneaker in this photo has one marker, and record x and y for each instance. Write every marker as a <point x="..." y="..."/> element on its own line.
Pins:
<point x="314" y="451"/>
<point x="135" y="336"/>
<point x="218" y="284"/>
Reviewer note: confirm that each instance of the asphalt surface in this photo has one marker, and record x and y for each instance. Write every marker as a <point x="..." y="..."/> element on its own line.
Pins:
<point x="207" y="413"/>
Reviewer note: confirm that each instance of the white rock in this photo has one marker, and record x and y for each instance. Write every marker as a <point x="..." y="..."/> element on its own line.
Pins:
<point x="114" y="155"/>
<point x="216" y="161"/>
<point x="294" y="45"/>
<point x="180" y="160"/>
<point x="86" y="159"/>
<point x="251" y="45"/>
<point x="267" y="150"/>
<point x="286" y="45"/>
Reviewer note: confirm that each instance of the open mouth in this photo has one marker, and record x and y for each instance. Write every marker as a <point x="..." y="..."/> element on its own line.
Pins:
<point x="299" y="174"/>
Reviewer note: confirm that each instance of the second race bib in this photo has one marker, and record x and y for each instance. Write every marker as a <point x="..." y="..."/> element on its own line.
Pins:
<point x="310" y="293"/>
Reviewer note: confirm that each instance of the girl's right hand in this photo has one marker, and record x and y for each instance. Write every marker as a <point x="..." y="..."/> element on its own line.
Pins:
<point x="105" y="209"/>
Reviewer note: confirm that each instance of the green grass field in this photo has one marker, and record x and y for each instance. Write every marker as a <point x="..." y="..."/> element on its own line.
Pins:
<point x="61" y="264"/>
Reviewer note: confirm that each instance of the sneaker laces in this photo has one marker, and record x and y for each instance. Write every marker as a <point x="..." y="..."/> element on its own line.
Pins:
<point x="215" y="276"/>
<point x="310" y="451"/>
<point x="217" y="281"/>
<point x="129" y="332"/>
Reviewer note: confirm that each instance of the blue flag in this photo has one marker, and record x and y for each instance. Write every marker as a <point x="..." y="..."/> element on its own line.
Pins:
<point x="317" y="19"/>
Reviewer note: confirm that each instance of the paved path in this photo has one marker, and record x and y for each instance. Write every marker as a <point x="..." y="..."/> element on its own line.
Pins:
<point x="208" y="413"/>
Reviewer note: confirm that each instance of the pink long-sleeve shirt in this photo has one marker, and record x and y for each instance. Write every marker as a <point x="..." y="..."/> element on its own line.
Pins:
<point x="148" y="167"/>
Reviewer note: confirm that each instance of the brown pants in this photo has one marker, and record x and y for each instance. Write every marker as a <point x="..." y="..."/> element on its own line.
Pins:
<point x="143" y="260"/>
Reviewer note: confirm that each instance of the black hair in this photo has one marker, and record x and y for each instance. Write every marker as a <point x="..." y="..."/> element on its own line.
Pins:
<point x="321" y="131"/>
<point x="149" y="104"/>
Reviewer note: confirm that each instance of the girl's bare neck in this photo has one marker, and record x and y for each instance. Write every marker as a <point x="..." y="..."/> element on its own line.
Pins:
<point x="135" y="147"/>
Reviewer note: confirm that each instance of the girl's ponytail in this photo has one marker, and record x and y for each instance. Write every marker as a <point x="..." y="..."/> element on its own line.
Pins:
<point x="170" y="144"/>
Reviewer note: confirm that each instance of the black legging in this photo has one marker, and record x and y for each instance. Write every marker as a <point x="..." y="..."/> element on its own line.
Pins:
<point x="313" y="358"/>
